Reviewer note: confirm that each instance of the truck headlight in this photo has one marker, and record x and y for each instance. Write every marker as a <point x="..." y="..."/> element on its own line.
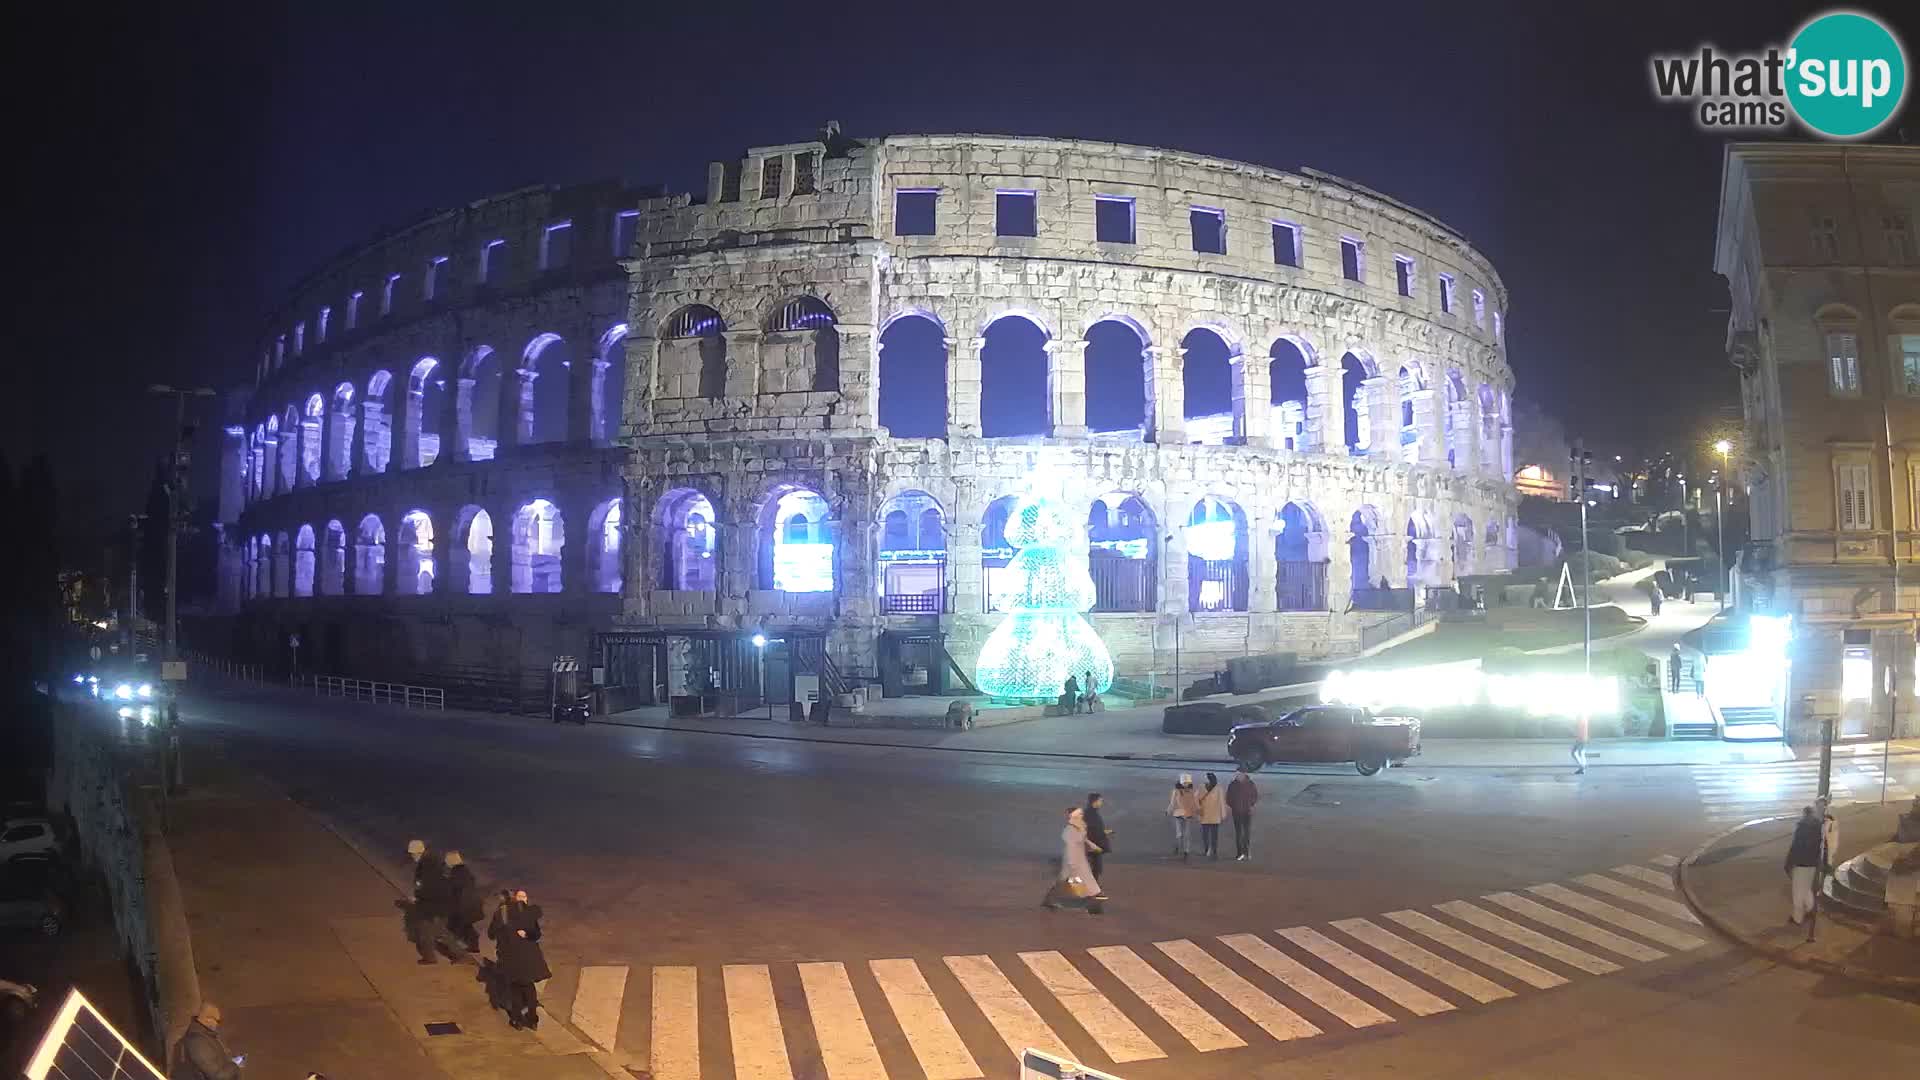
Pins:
<point x="146" y="690"/>
<point x="124" y="691"/>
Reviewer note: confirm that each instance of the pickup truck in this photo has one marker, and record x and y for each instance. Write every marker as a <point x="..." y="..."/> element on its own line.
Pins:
<point x="1327" y="733"/>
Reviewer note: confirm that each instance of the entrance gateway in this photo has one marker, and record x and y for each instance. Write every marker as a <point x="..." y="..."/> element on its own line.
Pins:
<point x="724" y="667"/>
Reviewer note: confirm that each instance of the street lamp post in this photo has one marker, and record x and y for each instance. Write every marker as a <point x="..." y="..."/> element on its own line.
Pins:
<point x="1720" y="522"/>
<point x="1582" y="462"/>
<point x="177" y="508"/>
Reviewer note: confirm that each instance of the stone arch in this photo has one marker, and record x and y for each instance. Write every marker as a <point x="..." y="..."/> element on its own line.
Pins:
<point x="1123" y="553"/>
<point x="607" y="391"/>
<point x="425" y="387"/>
<point x="313" y="422"/>
<point x="376" y="422"/>
<point x="478" y="407"/>
<point x="283" y="450"/>
<point x="913" y="375"/>
<point x="333" y="559"/>
<point x="1206" y="374"/>
<point x="1456" y="425"/>
<point x="417" y="567"/>
<point x="1490" y="422"/>
<point x="693" y="361"/>
<point x="995" y="551"/>
<point x="546" y="390"/>
<point x="471" y="559"/>
<point x="303" y="561"/>
<point x="604" y="571"/>
<point x="539" y="544"/>
<point x="1015" y="377"/>
<point x="370" y="557"/>
<point x="1217" y="549"/>
<point x="1118" y="374"/>
<point x="340" y="434"/>
<point x="912" y="554"/>
<point x="1411" y="380"/>
<point x="1288" y="359"/>
<point x="1462" y="545"/>
<point x="805" y="330"/>
<point x="795" y="542"/>
<point x="1419" y="557"/>
<point x="1356" y="402"/>
<point x="257" y="464"/>
<point x="686" y="541"/>
<point x="1300" y="558"/>
<point x="1364" y="541"/>
<point x="282" y="565"/>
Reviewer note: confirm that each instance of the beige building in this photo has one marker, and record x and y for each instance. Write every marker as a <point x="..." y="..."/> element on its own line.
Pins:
<point x="1817" y="243"/>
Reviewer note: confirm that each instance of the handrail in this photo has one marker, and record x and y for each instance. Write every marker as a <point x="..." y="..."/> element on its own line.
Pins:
<point x="375" y="693"/>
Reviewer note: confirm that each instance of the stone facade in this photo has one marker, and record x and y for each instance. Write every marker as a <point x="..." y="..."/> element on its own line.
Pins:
<point x="1818" y="246"/>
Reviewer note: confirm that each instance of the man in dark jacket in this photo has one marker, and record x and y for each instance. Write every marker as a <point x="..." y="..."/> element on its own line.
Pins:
<point x="1803" y="862"/>
<point x="426" y="913"/>
<point x="464" y="908"/>
<point x="1098" y="835"/>
<point x="1241" y="795"/>
<point x="200" y="1055"/>
<point x="516" y="933"/>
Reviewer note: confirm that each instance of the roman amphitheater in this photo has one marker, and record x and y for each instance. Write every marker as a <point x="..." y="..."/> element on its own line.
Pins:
<point x="775" y="427"/>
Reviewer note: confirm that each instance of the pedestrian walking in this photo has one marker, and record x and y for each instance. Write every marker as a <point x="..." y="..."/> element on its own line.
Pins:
<point x="1183" y="806"/>
<point x="464" y="908"/>
<point x="1070" y="696"/>
<point x="515" y="930"/>
<point x="1673" y="669"/>
<point x="1241" y="795"/>
<point x="1803" y="862"/>
<point x="1579" y="751"/>
<point x="200" y="1055"/>
<point x="1213" y="809"/>
<point x="1075" y="880"/>
<point x="1098" y="835"/>
<point x="426" y="910"/>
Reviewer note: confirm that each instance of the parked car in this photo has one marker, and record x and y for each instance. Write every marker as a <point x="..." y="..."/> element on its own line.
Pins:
<point x="32" y="837"/>
<point x="1327" y="733"/>
<point x="28" y="899"/>
<point x="1210" y="717"/>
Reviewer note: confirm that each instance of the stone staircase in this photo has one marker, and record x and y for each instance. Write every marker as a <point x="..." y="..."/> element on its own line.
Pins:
<point x="1859" y="885"/>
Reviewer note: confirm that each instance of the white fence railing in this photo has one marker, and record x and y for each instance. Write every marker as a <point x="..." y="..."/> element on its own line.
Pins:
<point x="199" y="664"/>
<point x="374" y="693"/>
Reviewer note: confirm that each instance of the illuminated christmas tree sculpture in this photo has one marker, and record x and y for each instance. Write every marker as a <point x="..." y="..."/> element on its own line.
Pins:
<point x="1044" y="638"/>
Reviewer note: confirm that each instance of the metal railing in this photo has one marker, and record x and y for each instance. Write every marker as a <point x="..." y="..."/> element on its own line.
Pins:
<point x="374" y="693"/>
<point x="201" y="664"/>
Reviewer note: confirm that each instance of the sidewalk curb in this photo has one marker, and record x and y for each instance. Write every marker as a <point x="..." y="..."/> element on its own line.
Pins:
<point x="1774" y="952"/>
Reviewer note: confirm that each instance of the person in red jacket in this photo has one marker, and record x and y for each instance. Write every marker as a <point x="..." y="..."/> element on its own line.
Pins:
<point x="1241" y="795"/>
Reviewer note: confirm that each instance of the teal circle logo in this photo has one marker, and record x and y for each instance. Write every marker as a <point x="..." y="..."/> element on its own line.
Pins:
<point x="1847" y="75"/>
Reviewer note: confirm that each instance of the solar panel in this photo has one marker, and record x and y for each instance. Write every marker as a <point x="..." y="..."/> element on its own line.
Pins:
<point x="81" y="1045"/>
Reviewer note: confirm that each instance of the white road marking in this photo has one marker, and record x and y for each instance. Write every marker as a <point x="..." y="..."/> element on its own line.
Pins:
<point x="676" y="1024"/>
<point x="1367" y="973"/>
<point x="935" y="1044"/>
<point x="753" y="1023"/>
<point x="1625" y="920"/>
<point x="1664" y="860"/>
<point x="1274" y="1018"/>
<point x="1309" y="983"/>
<point x="1651" y="877"/>
<point x="1194" y="1023"/>
<point x="1650" y="901"/>
<point x="1467" y="945"/>
<point x="1579" y="928"/>
<point x="1419" y="959"/>
<point x="1532" y="939"/>
<point x="1118" y="1036"/>
<point x="1019" y="1026"/>
<point x="596" y="1003"/>
<point x="846" y="1043"/>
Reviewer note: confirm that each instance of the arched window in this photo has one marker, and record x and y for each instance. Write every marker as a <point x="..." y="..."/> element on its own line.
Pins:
<point x="995" y="551"/>
<point x="1462" y="546"/>
<point x="1358" y="409"/>
<point x="1117" y="376"/>
<point x="1489" y="428"/>
<point x="801" y="338"/>
<point x="797" y="544"/>
<point x="1300" y="558"/>
<point x="370" y="557"/>
<point x="340" y="435"/>
<point x="426" y="396"/>
<point x="376" y="421"/>
<point x="609" y="386"/>
<point x="913" y="556"/>
<point x="913" y="378"/>
<point x="684" y="535"/>
<point x="1420" y="560"/>
<point x="1207" y="376"/>
<point x="257" y="464"/>
<point x="282" y="565"/>
<point x="1123" y="553"/>
<point x="1287" y="387"/>
<point x="333" y="560"/>
<point x="539" y="537"/>
<point x="1216" y="538"/>
<point x="416" y="570"/>
<point x="289" y="445"/>
<point x="312" y="427"/>
<point x="693" y="354"/>
<point x="1363" y="541"/>
<point x="1412" y="380"/>
<point x="1457" y="425"/>
<point x="1014" y="398"/>
<point x="604" y="573"/>
<point x="546" y="395"/>
<point x="303" y="561"/>
<point x="474" y="555"/>
<point x="479" y="403"/>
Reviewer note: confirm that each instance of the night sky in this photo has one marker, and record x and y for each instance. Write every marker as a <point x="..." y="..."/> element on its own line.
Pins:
<point x="189" y="166"/>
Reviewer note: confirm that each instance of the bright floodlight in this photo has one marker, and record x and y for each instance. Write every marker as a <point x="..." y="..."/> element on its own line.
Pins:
<point x="1722" y="447"/>
<point x="759" y="641"/>
<point x="124" y="692"/>
<point x="146" y="690"/>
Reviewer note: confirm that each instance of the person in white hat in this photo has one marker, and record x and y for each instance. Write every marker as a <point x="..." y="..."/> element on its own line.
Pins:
<point x="1183" y="806"/>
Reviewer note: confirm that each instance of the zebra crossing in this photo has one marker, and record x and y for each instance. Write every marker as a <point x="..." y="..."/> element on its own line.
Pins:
<point x="966" y="1017"/>
<point x="1732" y="794"/>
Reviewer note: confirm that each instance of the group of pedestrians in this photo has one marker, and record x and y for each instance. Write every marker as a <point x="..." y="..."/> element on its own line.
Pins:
<point x="1086" y="839"/>
<point x="444" y="913"/>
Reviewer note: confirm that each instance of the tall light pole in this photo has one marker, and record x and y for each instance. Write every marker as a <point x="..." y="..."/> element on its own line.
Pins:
<point x="1720" y="522"/>
<point x="1582" y="463"/>
<point x="177" y="507"/>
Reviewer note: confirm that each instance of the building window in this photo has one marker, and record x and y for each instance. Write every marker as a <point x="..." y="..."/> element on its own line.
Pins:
<point x="1826" y="240"/>
<point x="299" y="338"/>
<point x="386" y="294"/>
<point x="915" y="211"/>
<point x="493" y="261"/>
<point x="279" y="350"/>
<point x="772" y="172"/>
<point x="1015" y="213"/>
<point x="1899" y="239"/>
<point x="1446" y="294"/>
<point x="353" y="309"/>
<point x="1113" y="219"/>
<point x="1403" y="275"/>
<point x="626" y="227"/>
<point x="1843" y="364"/>
<point x="1479" y="308"/>
<point x="1910" y="363"/>
<point x="556" y="245"/>
<point x="729" y="181"/>
<point x="1286" y="244"/>
<point x="1856" y="495"/>
<point x="430" y="284"/>
<point x="1351" y="266"/>
<point x="803" y="174"/>
<point x="1209" y="230"/>
<point x="320" y="322"/>
<point x="1498" y="332"/>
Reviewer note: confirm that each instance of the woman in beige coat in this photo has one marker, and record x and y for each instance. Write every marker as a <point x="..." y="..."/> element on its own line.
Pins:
<point x="1213" y="808"/>
<point x="1183" y="806"/>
